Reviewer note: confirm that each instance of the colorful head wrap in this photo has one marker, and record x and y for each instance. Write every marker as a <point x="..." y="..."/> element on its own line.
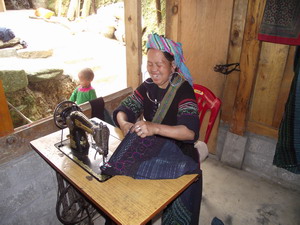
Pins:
<point x="174" y="48"/>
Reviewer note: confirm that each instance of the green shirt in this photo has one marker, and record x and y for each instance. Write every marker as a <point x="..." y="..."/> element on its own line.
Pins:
<point x="81" y="95"/>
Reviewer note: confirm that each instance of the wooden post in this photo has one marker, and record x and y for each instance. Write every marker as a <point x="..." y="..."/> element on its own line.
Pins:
<point x="158" y="11"/>
<point x="73" y="10"/>
<point x="172" y="18"/>
<point x="6" y="125"/>
<point x="248" y="63"/>
<point x="77" y="12"/>
<point x="2" y="6"/>
<point x="234" y="55"/>
<point x="58" y="7"/>
<point x="133" y="40"/>
<point x="86" y="7"/>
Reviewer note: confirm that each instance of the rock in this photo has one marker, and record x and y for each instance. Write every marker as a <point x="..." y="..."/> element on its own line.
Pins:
<point x="10" y="43"/>
<point x="42" y="75"/>
<point x="120" y="32"/>
<point x="103" y="24"/>
<point x="33" y="53"/>
<point x="115" y="10"/>
<point x="8" y="52"/>
<point x="108" y="32"/>
<point x="6" y="34"/>
<point x="13" y="80"/>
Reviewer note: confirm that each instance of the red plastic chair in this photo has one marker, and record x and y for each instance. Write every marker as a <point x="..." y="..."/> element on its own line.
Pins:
<point x="207" y="101"/>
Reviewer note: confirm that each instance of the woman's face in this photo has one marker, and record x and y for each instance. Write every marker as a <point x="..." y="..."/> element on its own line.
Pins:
<point x="159" y="68"/>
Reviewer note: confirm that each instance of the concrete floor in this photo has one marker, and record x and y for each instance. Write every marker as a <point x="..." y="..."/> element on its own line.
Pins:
<point x="237" y="197"/>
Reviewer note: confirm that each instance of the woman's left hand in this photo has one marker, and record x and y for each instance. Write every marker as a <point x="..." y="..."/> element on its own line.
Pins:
<point x="143" y="128"/>
<point x="179" y="132"/>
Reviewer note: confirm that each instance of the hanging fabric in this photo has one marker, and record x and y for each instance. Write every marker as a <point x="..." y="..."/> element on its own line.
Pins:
<point x="287" y="153"/>
<point x="281" y="22"/>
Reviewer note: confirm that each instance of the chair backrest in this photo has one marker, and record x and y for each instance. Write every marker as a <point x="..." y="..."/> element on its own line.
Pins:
<point x="207" y="101"/>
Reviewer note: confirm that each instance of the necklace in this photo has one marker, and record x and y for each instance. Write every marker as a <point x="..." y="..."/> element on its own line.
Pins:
<point x="154" y="101"/>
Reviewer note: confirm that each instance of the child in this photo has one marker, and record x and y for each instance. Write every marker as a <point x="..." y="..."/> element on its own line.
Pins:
<point x="84" y="92"/>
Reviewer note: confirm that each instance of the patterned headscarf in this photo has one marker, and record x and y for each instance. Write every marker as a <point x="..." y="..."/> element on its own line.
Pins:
<point x="174" y="48"/>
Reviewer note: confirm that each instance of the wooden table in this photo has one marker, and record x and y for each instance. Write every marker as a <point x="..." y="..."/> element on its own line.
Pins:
<point x="126" y="200"/>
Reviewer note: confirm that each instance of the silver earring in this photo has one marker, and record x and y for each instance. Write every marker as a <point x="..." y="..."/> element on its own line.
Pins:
<point x="178" y="82"/>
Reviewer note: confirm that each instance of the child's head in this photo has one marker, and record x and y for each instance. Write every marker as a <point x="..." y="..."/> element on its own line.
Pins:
<point x="86" y="76"/>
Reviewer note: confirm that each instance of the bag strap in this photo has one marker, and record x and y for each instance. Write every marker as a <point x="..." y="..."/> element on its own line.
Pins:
<point x="167" y="100"/>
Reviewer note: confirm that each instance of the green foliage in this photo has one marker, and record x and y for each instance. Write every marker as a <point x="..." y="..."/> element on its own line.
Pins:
<point x="149" y="14"/>
<point x="26" y="104"/>
<point x="100" y="3"/>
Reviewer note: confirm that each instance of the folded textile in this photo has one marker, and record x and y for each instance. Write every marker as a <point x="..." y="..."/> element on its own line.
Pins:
<point x="6" y="34"/>
<point x="152" y="157"/>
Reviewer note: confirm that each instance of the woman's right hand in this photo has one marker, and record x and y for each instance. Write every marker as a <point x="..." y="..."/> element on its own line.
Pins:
<point x="123" y="123"/>
<point x="125" y="127"/>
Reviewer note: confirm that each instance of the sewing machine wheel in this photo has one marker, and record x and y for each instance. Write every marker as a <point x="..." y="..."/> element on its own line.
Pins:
<point x="62" y="111"/>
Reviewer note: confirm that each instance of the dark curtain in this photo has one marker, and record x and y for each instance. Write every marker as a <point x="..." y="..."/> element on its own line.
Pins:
<point x="287" y="153"/>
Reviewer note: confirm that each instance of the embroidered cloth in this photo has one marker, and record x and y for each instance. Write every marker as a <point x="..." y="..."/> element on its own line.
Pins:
<point x="281" y="22"/>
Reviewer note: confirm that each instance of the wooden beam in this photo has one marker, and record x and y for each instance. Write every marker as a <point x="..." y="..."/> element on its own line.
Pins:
<point x="262" y="129"/>
<point x="268" y="81"/>
<point x="248" y="64"/>
<point x="6" y="126"/>
<point x="234" y="54"/>
<point x="172" y="19"/>
<point x="133" y="40"/>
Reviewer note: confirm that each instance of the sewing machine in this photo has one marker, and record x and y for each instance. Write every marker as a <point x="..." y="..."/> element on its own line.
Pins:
<point x="78" y="146"/>
<point x="111" y="197"/>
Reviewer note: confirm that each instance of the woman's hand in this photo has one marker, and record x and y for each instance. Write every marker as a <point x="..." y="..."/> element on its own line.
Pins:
<point x="144" y="128"/>
<point x="179" y="132"/>
<point x="126" y="127"/>
<point x="123" y="123"/>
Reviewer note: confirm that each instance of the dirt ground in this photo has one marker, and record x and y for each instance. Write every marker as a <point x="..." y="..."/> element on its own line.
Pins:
<point x="72" y="51"/>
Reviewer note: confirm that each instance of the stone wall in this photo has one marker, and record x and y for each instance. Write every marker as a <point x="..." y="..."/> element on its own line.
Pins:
<point x="253" y="153"/>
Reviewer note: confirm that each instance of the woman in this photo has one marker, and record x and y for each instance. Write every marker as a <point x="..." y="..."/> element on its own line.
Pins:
<point x="167" y="102"/>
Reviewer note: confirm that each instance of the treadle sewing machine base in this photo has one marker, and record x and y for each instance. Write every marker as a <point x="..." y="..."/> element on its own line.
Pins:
<point x="90" y="163"/>
<point x="71" y="206"/>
